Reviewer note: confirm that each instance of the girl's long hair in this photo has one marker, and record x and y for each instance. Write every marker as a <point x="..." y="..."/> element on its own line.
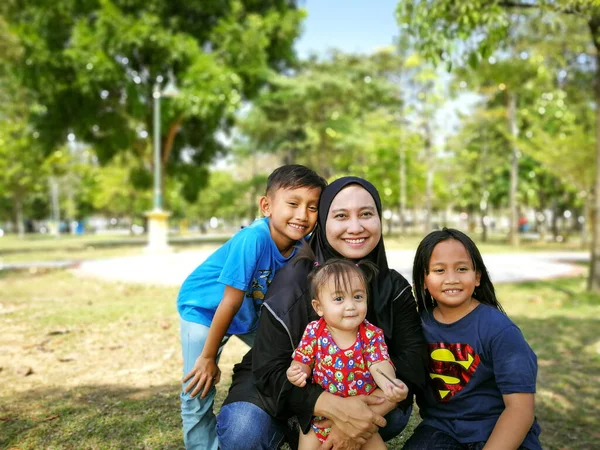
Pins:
<point x="484" y="293"/>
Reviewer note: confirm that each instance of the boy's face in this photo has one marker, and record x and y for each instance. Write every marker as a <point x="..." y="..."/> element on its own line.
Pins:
<point x="292" y="214"/>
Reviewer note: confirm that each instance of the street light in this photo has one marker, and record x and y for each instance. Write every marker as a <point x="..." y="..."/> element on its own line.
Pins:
<point x="157" y="218"/>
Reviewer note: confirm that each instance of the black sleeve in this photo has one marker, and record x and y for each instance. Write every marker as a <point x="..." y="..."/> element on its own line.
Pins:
<point x="408" y="350"/>
<point x="272" y="355"/>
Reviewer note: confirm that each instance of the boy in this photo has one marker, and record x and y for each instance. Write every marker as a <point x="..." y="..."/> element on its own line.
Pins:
<point x="223" y="295"/>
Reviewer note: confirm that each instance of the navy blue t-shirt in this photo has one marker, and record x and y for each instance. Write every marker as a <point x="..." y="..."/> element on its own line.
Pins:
<point x="472" y="363"/>
<point x="248" y="262"/>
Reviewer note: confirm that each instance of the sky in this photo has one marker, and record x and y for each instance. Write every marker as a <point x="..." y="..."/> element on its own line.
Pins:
<point x="354" y="26"/>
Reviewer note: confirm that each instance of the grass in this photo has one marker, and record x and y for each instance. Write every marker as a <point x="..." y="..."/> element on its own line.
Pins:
<point x="87" y="364"/>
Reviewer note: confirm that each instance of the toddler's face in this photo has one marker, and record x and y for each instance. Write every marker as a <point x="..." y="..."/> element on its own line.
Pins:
<point x="342" y="305"/>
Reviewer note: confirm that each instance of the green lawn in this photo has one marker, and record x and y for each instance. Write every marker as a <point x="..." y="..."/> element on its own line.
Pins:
<point x="87" y="364"/>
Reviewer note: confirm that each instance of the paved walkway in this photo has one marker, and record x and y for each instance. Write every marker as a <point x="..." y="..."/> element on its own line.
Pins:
<point x="171" y="269"/>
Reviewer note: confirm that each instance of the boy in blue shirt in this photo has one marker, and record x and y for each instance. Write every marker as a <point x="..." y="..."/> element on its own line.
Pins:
<point x="223" y="295"/>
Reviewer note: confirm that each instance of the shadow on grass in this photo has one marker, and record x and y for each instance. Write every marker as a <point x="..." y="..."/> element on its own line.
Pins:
<point x="112" y="417"/>
<point x="93" y="417"/>
<point x="568" y="397"/>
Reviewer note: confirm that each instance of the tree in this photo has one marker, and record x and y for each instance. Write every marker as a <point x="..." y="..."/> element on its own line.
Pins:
<point x="481" y="26"/>
<point x="315" y="115"/>
<point x="20" y="152"/>
<point x="93" y="66"/>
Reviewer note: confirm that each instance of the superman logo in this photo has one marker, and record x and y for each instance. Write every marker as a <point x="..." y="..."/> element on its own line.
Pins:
<point x="451" y="367"/>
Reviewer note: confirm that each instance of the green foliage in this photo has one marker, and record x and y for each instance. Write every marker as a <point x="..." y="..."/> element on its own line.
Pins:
<point x="21" y="156"/>
<point x="315" y="115"/>
<point x="92" y="67"/>
<point x="113" y="192"/>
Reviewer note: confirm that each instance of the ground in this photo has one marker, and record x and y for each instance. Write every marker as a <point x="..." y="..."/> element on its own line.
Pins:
<point x="88" y="364"/>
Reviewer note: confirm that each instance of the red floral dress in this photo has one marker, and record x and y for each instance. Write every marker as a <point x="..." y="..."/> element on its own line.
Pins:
<point x="343" y="372"/>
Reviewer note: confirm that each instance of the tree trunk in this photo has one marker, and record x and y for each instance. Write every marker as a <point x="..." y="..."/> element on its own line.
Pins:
<point x="554" y="224"/>
<point x="587" y="208"/>
<point x="19" y="217"/>
<point x="594" y="276"/>
<point x="429" y="182"/>
<point x="514" y="169"/>
<point x="483" y="201"/>
<point x="402" y="177"/>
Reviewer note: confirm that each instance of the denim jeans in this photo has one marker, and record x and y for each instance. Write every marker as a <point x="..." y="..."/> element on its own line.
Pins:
<point x="426" y="437"/>
<point x="197" y="415"/>
<point x="243" y="425"/>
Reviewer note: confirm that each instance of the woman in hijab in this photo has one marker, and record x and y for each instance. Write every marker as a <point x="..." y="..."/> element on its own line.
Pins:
<point x="261" y="401"/>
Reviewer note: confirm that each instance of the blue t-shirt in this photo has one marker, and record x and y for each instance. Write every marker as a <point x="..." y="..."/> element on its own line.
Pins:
<point x="472" y="363"/>
<point x="248" y="262"/>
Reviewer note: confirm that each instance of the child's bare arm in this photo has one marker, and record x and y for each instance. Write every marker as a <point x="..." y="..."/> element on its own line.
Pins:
<point x="385" y="376"/>
<point x="298" y="373"/>
<point x="514" y="422"/>
<point x="206" y="373"/>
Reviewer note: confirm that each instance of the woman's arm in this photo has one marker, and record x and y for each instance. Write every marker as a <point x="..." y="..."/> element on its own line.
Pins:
<point x="514" y="422"/>
<point x="407" y="347"/>
<point x="271" y="357"/>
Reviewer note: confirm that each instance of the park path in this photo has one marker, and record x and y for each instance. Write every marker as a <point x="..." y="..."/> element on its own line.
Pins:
<point x="172" y="268"/>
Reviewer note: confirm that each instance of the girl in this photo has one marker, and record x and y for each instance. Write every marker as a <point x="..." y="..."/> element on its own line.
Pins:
<point x="346" y="354"/>
<point x="482" y="371"/>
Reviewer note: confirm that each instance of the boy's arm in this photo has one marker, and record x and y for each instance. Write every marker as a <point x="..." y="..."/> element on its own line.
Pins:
<point x="514" y="422"/>
<point x="206" y="373"/>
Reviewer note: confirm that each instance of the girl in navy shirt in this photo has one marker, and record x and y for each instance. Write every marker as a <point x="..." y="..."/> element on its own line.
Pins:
<point x="482" y="372"/>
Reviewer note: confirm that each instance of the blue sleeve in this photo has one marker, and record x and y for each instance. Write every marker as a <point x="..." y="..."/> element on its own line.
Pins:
<point x="245" y="251"/>
<point x="515" y="364"/>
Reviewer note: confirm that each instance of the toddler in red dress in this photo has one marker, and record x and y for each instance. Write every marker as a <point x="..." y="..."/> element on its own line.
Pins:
<point x="343" y="352"/>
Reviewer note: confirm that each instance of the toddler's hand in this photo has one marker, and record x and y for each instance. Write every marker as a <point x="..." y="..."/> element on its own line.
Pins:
<point x="296" y="375"/>
<point x="395" y="393"/>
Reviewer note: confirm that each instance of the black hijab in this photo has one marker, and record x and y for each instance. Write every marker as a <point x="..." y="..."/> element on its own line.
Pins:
<point x="381" y="288"/>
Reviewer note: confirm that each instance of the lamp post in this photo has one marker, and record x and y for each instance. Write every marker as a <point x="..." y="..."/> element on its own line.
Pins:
<point x="158" y="227"/>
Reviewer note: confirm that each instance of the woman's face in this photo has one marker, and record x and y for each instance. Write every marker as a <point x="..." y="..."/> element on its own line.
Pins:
<point x="353" y="226"/>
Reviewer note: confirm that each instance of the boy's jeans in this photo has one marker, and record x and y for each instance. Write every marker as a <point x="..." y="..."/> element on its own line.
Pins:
<point x="199" y="423"/>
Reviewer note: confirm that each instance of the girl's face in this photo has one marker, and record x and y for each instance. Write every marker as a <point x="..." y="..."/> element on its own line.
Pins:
<point x="342" y="305"/>
<point x="353" y="226"/>
<point x="451" y="277"/>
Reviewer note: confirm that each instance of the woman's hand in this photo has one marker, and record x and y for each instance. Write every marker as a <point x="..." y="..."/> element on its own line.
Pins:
<point x="352" y="415"/>
<point x="205" y="374"/>
<point x="336" y="440"/>
<point x="395" y="392"/>
<point x="298" y="373"/>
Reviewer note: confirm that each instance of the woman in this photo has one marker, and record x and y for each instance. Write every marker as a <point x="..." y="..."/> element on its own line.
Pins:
<point x="349" y="227"/>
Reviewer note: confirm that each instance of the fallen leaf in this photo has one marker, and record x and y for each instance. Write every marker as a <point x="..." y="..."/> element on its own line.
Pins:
<point x="40" y="344"/>
<point x="25" y="371"/>
<point x="4" y="419"/>
<point x="66" y="359"/>
<point x="164" y="325"/>
<point x="52" y="417"/>
<point x="56" y="332"/>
